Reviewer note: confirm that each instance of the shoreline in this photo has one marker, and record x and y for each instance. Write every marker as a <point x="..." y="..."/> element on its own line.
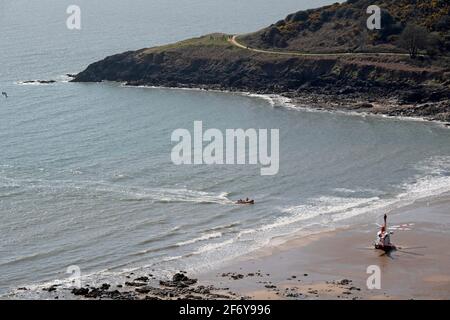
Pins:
<point x="333" y="265"/>
<point x="305" y="103"/>
<point x="330" y="264"/>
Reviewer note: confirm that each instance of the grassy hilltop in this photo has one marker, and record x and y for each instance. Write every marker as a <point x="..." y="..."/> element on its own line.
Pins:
<point x="342" y="27"/>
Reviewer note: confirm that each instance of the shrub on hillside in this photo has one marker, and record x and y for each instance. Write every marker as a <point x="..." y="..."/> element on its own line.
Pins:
<point x="389" y="27"/>
<point x="414" y="38"/>
<point x="443" y="24"/>
<point x="299" y="16"/>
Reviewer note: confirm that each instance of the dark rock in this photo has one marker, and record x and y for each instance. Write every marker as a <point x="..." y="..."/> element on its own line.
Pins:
<point x="135" y="284"/>
<point x="105" y="286"/>
<point x="95" y="293"/>
<point x="344" y="282"/>
<point x="51" y="288"/>
<point x="347" y="292"/>
<point x="193" y="297"/>
<point x="143" y="290"/>
<point x="413" y="96"/>
<point x="40" y="81"/>
<point x="179" y="280"/>
<point x="142" y="279"/>
<point x="80" y="291"/>
<point x="237" y="276"/>
<point x="179" y="277"/>
<point x="354" y="288"/>
<point x="364" y="106"/>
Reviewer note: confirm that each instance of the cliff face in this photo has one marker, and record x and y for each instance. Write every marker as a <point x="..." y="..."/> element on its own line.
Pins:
<point x="213" y="62"/>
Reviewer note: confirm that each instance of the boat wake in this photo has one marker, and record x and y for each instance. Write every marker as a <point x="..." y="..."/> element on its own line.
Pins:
<point x="118" y="192"/>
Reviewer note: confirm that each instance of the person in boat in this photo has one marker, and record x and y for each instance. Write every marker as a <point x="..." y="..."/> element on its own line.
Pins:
<point x="246" y="201"/>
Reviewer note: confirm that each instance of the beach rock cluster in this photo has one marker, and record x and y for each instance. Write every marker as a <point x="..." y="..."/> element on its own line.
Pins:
<point x="179" y="287"/>
<point x="179" y="280"/>
<point x="39" y="82"/>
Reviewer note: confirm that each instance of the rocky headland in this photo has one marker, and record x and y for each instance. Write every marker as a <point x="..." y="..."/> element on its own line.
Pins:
<point x="378" y="76"/>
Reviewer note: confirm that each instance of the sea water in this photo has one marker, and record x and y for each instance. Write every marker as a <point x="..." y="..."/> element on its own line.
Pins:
<point x="86" y="177"/>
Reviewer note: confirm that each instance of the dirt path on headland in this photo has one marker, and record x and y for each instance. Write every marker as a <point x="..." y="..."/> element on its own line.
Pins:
<point x="233" y="40"/>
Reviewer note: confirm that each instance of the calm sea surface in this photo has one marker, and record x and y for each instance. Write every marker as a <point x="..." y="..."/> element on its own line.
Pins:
<point x="85" y="172"/>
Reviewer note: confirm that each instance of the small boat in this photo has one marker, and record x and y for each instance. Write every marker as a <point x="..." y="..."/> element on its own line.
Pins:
<point x="240" y="201"/>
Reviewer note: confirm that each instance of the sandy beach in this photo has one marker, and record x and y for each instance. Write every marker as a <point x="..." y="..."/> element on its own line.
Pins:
<point x="333" y="265"/>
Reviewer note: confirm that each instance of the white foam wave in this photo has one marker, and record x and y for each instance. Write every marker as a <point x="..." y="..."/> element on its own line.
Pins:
<point x="433" y="180"/>
<point x="274" y="100"/>
<point x="213" y="246"/>
<point x="201" y="238"/>
<point x="64" y="78"/>
<point x="322" y="206"/>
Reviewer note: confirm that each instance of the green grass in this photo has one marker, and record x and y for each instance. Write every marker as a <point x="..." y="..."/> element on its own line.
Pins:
<point x="210" y="40"/>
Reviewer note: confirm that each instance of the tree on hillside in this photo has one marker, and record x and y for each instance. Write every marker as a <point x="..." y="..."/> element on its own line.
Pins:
<point x="413" y="39"/>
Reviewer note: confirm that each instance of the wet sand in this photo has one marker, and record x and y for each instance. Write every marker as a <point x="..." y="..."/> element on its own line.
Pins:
<point x="333" y="265"/>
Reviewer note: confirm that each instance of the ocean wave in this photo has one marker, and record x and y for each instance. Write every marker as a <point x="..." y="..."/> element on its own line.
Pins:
<point x="327" y="206"/>
<point x="432" y="180"/>
<point x="274" y="100"/>
<point x="370" y="191"/>
<point x="226" y="226"/>
<point x="212" y="246"/>
<point x="39" y="82"/>
<point x="201" y="238"/>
